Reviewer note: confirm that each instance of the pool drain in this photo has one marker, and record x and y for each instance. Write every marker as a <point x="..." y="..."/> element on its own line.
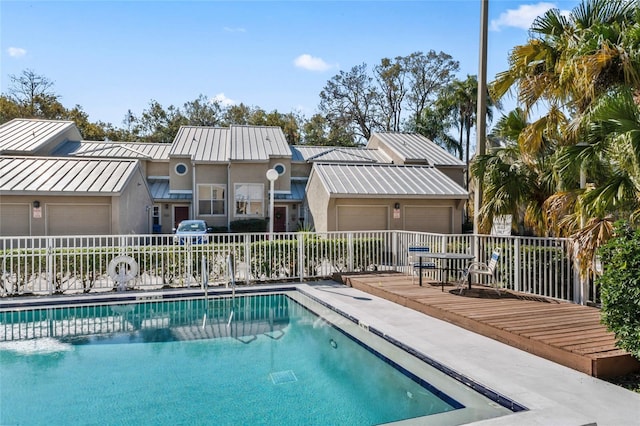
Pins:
<point x="281" y="377"/>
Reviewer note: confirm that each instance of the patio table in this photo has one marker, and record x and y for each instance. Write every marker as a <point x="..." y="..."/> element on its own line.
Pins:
<point x="445" y="257"/>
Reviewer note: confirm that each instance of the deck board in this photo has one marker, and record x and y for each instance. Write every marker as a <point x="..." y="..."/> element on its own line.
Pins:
<point x="568" y="334"/>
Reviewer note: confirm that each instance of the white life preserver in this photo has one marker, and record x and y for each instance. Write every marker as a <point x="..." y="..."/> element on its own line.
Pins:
<point x="116" y="271"/>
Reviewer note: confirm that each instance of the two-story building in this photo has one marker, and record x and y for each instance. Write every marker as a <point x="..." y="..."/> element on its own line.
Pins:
<point x="54" y="183"/>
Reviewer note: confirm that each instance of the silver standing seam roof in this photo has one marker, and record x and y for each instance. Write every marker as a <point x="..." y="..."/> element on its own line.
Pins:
<point x="112" y="149"/>
<point x="25" y="136"/>
<point x="413" y="147"/>
<point x="365" y="180"/>
<point x="202" y="144"/>
<point x="333" y="154"/>
<point x="236" y="143"/>
<point x="64" y="176"/>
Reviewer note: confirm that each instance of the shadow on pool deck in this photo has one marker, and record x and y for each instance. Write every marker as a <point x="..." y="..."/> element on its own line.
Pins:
<point x="563" y="332"/>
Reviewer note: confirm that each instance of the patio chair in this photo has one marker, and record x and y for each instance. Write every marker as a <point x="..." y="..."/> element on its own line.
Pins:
<point x="482" y="269"/>
<point x="416" y="262"/>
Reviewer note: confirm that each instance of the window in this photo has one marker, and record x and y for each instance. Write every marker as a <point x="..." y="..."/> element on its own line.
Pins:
<point x="249" y="199"/>
<point x="156" y="215"/>
<point x="181" y="169"/>
<point x="211" y="199"/>
<point x="280" y="168"/>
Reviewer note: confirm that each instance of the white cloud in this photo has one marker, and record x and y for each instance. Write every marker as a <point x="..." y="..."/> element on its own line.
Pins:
<point x="223" y="100"/>
<point x="310" y="63"/>
<point x="521" y="17"/>
<point x="235" y="30"/>
<point x="16" y="52"/>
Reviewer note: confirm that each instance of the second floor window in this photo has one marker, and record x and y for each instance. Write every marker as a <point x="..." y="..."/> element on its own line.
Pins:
<point x="249" y="199"/>
<point x="211" y="199"/>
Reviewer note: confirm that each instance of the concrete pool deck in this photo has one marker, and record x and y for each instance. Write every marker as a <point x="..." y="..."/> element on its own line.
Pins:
<point x="554" y="394"/>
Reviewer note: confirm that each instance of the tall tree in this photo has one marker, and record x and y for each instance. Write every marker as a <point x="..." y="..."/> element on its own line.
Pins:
<point x="428" y="75"/>
<point x="390" y="75"/>
<point x="30" y="90"/>
<point x="349" y="100"/>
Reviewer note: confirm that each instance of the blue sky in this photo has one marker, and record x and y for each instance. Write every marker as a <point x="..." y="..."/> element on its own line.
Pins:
<point x="110" y="56"/>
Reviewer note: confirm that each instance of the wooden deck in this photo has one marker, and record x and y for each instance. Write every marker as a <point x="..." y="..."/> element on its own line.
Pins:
<point x="562" y="332"/>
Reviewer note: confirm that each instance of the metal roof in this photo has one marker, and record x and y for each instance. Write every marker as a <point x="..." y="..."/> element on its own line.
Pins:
<point x="333" y="154"/>
<point x="366" y="180"/>
<point x="251" y="143"/>
<point x="112" y="149"/>
<point x="297" y="192"/>
<point x="68" y="176"/>
<point x="237" y="143"/>
<point x="412" y="147"/>
<point x="160" y="190"/>
<point x="202" y="144"/>
<point x="26" y="136"/>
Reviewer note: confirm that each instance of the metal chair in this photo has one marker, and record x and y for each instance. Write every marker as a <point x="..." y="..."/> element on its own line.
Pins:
<point x="482" y="269"/>
<point x="416" y="263"/>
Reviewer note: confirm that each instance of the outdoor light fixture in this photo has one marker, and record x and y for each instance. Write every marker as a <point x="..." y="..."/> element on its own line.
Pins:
<point x="396" y="206"/>
<point x="272" y="175"/>
<point x="36" y="204"/>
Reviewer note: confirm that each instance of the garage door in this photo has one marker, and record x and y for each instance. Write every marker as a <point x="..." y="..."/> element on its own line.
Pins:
<point x="74" y="219"/>
<point x="14" y="220"/>
<point x="362" y="218"/>
<point x="428" y="219"/>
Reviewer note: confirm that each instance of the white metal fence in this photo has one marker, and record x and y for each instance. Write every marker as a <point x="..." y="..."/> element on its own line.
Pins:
<point x="83" y="264"/>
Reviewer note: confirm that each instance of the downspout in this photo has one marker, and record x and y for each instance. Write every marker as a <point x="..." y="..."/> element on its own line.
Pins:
<point x="193" y="189"/>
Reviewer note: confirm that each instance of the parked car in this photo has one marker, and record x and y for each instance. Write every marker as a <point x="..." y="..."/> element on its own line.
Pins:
<point x="192" y="230"/>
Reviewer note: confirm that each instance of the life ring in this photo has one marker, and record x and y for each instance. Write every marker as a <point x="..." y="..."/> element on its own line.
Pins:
<point x="116" y="272"/>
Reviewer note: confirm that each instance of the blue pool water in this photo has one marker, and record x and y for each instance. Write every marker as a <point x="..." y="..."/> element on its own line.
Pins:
<point x="164" y="363"/>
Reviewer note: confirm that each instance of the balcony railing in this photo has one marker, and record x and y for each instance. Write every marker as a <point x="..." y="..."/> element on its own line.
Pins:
<point x="89" y="264"/>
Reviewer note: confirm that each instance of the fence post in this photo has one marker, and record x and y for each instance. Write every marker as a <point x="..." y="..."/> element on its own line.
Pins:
<point x="394" y="250"/>
<point x="247" y="258"/>
<point x="300" y="238"/>
<point x="50" y="263"/>
<point x="578" y="280"/>
<point x="350" y="252"/>
<point x="516" y="264"/>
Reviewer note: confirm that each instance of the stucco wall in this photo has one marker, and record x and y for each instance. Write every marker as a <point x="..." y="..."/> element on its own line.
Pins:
<point x="155" y="168"/>
<point x="131" y="210"/>
<point x="177" y="182"/>
<point x="317" y="200"/>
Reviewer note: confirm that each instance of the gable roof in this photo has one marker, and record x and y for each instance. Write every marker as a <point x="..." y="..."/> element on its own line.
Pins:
<point x="202" y="144"/>
<point x="236" y="143"/>
<point x="250" y="143"/>
<point x="367" y="180"/>
<point x="27" y="136"/>
<point x="64" y="175"/>
<point x="333" y="154"/>
<point x="414" y="148"/>
<point x="108" y="149"/>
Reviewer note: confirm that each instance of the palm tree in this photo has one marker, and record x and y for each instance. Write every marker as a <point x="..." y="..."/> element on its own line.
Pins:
<point x="572" y="66"/>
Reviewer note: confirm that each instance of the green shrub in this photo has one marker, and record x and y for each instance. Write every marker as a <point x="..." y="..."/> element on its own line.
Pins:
<point x="249" y="225"/>
<point x="620" y="287"/>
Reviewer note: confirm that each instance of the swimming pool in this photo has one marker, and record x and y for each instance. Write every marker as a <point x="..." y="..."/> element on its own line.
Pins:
<point x="281" y="358"/>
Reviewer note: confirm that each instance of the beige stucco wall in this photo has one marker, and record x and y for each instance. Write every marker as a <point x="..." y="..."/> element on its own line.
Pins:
<point x="318" y="205"/>
<point x="177" y="182"/>
<point x="131" y="210"/>
<point x="456" y="174"/>
<point x="157" y="168"/>
<point x="301" y="169"/>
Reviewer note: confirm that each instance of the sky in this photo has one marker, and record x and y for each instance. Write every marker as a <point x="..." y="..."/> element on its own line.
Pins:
<point x="113" y="56"/>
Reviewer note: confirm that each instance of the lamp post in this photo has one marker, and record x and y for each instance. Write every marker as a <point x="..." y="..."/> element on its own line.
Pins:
<point x="272" y="175"/>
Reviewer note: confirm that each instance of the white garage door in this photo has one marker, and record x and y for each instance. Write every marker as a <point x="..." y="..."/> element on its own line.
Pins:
<point x="14" y="220"/>
<point x="74" y="219"/>
<point x="362" y="218"/>
<point x="428" y="219"/>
